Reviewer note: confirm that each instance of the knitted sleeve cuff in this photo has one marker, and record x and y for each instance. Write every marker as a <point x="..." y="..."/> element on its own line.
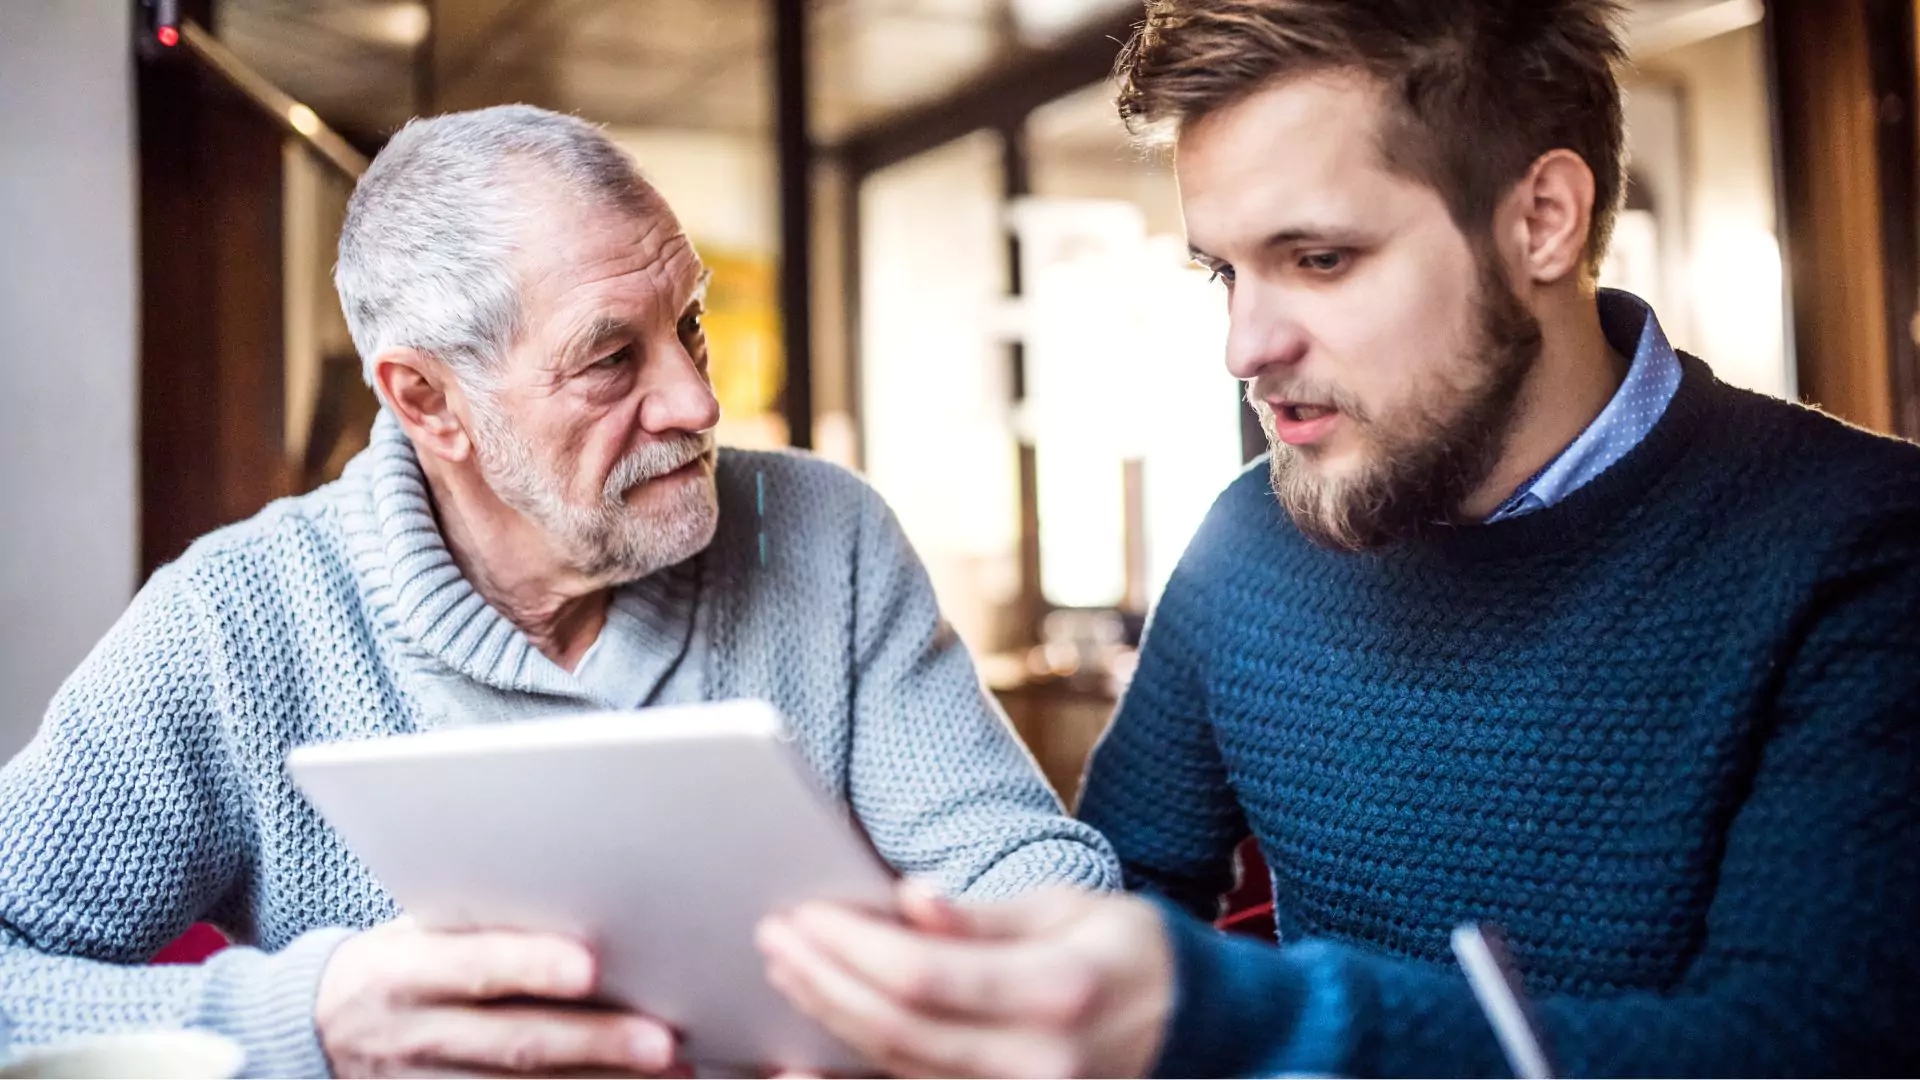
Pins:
<point x="1243" y="1007"/>
<point x="264" y="1001"/>
<point x="1060" y="861"/>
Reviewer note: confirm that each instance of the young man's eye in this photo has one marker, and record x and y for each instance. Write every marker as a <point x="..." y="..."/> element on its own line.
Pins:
<point x="1323" y="262"/>
<point x="1220" y="272"/>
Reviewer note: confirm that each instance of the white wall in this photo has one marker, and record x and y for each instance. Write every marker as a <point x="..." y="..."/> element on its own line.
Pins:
<point x="721" y="186"/>
<point x="934" y="377"/>
<point x="1737" y="319"/>
<point x="67" y="296"/>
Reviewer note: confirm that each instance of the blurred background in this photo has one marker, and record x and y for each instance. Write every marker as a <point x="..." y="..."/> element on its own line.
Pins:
<point x="937" y="258"/>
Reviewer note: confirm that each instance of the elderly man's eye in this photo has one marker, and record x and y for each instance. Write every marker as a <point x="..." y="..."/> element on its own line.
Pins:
<point x="690" y="324"/>
<point x="616" y="358"/>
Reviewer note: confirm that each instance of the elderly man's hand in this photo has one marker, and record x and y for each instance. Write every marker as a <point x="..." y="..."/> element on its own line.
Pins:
<point x="398" y="1000"/>
<point x="1062" y="983"/>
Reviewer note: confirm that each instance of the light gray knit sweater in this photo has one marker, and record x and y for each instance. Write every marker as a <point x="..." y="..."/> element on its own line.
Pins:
<point x="154" y="794"/>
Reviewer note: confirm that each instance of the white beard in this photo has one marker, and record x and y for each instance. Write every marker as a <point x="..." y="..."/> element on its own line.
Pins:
<point x="609" y="540"/>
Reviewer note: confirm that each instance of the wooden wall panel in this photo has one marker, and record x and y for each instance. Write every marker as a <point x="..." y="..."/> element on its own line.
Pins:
<point x="211" y="351"/>
<point x="1844" y="87"/>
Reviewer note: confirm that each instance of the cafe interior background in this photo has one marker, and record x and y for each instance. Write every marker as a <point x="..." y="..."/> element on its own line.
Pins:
<point x="938" y="260"/>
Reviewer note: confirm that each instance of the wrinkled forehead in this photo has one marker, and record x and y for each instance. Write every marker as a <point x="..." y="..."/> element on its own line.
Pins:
<point x="592" y="276"/>
<point x="572" y="250"/>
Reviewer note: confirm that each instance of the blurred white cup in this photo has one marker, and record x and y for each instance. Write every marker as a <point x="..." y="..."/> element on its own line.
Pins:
<point x="188" y="1055"/>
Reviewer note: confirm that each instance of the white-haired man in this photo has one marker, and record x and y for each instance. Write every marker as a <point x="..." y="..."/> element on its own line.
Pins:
<point x="540" y="524"/>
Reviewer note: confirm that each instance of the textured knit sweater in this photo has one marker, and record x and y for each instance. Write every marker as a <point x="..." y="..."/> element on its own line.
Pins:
<point x="154" y="794"/>
<point x="1666" y="734"/>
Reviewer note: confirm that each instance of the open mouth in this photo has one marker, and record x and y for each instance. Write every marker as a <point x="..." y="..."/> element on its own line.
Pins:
<point x="1301" y="423"/>
<point x="1299" y="413"/>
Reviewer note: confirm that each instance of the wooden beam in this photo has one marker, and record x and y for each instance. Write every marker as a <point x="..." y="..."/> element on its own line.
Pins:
<point x="295" y="118"/>
<point x="1016" y="182"/>
<point x="1026" y="80"/>
<point x="211" y="345"/>
<point x="796" y="216"/>
<point x="1896" y="81"/>
<point x="1845" y="150"/>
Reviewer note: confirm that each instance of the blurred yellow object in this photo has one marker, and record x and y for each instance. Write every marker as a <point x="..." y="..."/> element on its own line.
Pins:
<point x="743" y="334"/>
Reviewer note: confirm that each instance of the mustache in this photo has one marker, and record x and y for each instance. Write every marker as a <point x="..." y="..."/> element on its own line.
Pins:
<point x="1303" y="393"/>
<point x="653" y="461"/>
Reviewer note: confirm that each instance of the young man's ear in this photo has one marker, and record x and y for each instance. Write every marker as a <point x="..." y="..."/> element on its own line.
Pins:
<point x="1550" y="217"/>
<point x="423" y="395"/>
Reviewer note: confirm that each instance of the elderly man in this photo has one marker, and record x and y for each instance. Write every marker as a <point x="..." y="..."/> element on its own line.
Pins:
<point x="540" y="524"/>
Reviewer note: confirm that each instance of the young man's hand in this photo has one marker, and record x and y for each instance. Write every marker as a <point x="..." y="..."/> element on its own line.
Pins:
<point x="399" y="1000"/>
<point x="1061" y="983"/>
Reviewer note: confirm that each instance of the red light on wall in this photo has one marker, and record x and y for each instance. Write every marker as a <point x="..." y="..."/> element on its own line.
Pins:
<point x="169" y="36"/>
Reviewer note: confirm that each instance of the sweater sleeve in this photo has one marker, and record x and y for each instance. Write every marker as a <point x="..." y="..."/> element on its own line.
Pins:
<point x="1156" y="786"/>
<point x="119" y="828"/>
<point x="937" y="776"/>
<point x="1812" y="960"/>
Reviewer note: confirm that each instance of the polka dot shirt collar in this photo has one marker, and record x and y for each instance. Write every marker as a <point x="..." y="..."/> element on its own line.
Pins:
<point x="1652" y="378"/>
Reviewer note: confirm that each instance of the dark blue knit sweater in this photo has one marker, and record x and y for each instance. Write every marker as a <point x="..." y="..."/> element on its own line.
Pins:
<point x="1663" y="733"/>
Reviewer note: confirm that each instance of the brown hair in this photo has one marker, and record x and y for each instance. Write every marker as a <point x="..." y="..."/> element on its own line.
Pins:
<point x="1477" y="90"/>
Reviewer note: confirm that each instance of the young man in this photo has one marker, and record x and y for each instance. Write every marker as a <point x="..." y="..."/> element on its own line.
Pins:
<point x="1555" y="630"/>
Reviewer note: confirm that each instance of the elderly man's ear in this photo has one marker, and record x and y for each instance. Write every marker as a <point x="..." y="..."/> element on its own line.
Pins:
<point x="428" y="401"/>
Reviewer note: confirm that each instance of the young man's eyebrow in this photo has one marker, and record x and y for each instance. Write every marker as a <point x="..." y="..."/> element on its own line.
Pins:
<point x="1337" y="235"/>
<point x="1313" y="234"/>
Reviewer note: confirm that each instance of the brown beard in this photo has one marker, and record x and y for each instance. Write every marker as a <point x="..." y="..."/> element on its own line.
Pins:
<point x="1429" y="461"/>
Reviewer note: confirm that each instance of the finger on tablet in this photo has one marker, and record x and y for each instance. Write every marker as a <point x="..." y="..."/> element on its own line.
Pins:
<point x="487" y="965"/>
<point x="855" y="1012"/>
<point x="530" y="1040"/>
<point x="905" y="1042"/>
<point x="959" y="976"/>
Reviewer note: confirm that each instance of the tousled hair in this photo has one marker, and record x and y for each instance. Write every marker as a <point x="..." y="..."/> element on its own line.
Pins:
<point x="1476" y="90"/>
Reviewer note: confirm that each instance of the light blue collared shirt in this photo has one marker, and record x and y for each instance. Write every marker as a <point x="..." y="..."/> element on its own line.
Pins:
<point x="1637" y="406"/>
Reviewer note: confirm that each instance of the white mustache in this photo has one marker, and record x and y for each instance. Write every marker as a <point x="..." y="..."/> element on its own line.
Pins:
<point x="653" y="461"/>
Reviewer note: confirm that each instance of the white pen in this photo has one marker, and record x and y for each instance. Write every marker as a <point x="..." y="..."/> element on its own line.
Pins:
<point x="1497" y="986"/>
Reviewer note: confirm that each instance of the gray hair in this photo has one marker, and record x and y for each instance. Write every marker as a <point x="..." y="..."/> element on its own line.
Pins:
<point x="427" y="250"/>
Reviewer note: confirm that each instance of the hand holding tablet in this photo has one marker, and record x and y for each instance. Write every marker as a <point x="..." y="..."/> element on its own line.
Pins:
<point x="400" y="999"/>
<point x="658" y="839"/>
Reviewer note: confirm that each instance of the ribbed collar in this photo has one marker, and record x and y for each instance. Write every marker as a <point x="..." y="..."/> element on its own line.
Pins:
<point x="414" y="585"/>
<point x="650" y="626"/>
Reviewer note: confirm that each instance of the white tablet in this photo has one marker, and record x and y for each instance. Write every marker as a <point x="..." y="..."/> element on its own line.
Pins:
<point x="658" y="837"/>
